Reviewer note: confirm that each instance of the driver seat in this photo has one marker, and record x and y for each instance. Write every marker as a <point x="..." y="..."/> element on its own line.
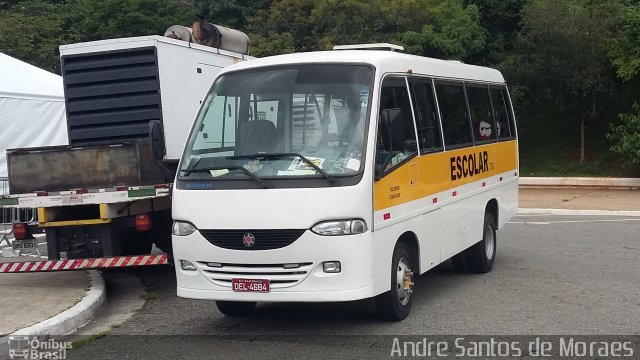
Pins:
<point x="256" y="136"/>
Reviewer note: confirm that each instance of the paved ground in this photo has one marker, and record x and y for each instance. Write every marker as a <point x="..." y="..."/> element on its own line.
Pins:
<point x="553" y="275"/>
<point x="580" y="199"/>
<point x="27" y="299"/>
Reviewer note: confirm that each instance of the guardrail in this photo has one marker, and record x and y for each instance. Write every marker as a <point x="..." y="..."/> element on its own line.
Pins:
<point x="9" y="216"/>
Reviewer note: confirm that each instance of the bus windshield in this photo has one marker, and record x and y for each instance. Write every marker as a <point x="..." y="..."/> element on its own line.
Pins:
<point x="297" y="120"/>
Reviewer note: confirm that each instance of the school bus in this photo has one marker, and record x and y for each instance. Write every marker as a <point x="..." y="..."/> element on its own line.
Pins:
<point x="342" y="175"/>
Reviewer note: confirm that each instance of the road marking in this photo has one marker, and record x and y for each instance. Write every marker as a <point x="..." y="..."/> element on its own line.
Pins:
<point x="569" y="221"/>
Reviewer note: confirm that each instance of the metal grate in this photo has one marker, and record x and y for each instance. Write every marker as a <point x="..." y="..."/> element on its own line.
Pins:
<point x="279" y="275"/>
<point x="111" y="96"/>
<point x="263" y="239"/>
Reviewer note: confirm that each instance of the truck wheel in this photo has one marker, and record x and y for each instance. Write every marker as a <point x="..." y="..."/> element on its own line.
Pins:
<point x="137" y="244"/>
<point x="395" y="304"/>
<point x="236" y="308"/>
<point x="482" y="255"/>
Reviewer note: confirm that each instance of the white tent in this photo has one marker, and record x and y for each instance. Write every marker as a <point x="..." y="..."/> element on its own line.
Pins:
<point x="32" y="111"/>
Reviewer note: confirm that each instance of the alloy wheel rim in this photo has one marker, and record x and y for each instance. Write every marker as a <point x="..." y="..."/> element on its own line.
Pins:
<point x="404" y="281"/>
<point x="489" y="242"/>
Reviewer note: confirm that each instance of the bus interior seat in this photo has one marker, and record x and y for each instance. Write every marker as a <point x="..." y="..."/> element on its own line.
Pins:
<point x="256" y="136"/>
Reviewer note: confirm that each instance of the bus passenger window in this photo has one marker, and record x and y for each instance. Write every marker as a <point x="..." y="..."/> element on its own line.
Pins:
<point x="481" y="116"/>
<point x="502" y="113"/>
<point x="389" y="151"/>
<point x="426" y="117"/>
<point x="453" y="110"/>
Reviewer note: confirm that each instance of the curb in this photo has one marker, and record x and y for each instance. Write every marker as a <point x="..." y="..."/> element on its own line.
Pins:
<point x="74" y="317"/>
<point x="583" y="182"/>
<point x="534" y="211"/>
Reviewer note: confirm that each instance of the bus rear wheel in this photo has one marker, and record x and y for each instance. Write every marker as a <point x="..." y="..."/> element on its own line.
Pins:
<point x="482" y="255"/>
<point x="395" y="304"/>
<point x="236" y="308"/>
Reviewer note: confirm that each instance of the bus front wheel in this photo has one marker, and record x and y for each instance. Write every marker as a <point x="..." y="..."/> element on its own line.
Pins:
<point x="236" y="308"/>
<point x="395" y="304"/>
<point x="482" y="255"/>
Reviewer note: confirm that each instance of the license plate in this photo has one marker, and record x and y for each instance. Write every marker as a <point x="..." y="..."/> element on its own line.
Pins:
<point x="71" y="198"/>
<point x="250" y="285"/>
<point x="24" y="244"/>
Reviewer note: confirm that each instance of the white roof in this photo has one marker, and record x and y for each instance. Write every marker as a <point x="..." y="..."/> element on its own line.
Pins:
<point x="384" y="61"/>
<point x="21" y="80"/>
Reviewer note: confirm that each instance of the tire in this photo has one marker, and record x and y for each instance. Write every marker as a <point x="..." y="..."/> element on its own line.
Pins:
<point x="395" y="304"/>
<point x="236" y="308"/>
<point x="137" y="243"/>
<point x="482" y="255"/>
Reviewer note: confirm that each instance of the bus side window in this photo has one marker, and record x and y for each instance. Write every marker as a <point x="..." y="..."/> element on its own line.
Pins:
<point x="502" y="113"/>
<point x="425" y="108"/>
<point x="481" y="114"/>
<point x="394" y="95"/>
<point x="453" y="110"/>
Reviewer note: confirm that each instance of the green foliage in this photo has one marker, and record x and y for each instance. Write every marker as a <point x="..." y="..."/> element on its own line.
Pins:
<point x="625" y="51"/>
<point x="108" y="19"/>
<point x="626" y="136"/>
<point x="567" y="61"/>
<point x="233" y="13"/>
<point x="425" y="27"/>
<point x="32" y="30"/>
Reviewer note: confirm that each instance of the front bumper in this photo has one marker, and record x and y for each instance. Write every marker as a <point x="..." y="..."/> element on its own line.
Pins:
<point x="215" y="267"/>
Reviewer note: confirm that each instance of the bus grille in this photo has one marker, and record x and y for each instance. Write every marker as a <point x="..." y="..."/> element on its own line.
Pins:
<point x="262" y="239"/>
<point x="279" y="275"/>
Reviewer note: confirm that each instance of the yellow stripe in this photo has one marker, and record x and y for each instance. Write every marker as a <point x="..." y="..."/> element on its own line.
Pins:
<point x="103" y="211"/>
<point x="42" y="215"/>
<point x="432" y="173"/>
<point x="75" y="222"/>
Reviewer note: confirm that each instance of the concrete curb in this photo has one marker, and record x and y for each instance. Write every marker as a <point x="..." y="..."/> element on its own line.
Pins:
<point x="534" y="211"/>
<point x="74" y="317"/>
<point x="596" y="182"/>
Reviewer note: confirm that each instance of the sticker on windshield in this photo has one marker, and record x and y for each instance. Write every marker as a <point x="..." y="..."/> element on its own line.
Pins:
<point x="218" y="172"/>
<point x="364" y="95"/>
<point x="353" y="164"/>
<point x="299" y="164"/>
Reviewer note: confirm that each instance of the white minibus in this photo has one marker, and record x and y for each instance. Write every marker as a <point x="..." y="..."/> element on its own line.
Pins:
<point x="342" y="175"/>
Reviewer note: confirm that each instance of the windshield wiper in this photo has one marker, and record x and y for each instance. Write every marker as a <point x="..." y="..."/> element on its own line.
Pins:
<point x="276" y="155"/>
<point x="253" y="176"/>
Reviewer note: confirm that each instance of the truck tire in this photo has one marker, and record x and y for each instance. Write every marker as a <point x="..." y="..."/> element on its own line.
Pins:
<point x="482" y="255"/>
<point x="137" y="243"/>
<point x="395" y="304"/>
<point x="236" y="308"/>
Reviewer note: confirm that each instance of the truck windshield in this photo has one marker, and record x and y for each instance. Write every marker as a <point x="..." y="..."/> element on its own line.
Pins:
<point x="298" y="120"/>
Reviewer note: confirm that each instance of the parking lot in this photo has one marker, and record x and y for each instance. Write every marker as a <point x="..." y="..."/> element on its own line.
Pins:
<point x="554" y="275"/>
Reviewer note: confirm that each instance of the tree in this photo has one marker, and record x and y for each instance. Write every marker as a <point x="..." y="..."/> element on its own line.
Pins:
<point x="626" y="136"/>
<point x="501" y="19"/>
<point x="439" y="28"/>
<point x="33" y="30"/>
<point x="561" y="65"/>
<point x="232" y="13"/>
<point x="625" y="56"/>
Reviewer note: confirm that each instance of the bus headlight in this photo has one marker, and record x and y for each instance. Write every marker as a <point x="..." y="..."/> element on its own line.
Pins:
<point x="340" y="227"/>
<point x="182" y="228"/>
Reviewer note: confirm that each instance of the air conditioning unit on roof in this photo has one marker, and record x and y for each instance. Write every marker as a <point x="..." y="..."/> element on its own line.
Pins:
<point x="378" y="46"/>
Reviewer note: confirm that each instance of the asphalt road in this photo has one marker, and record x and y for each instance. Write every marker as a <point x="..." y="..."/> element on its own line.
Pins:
<point x="553" y="275"/>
